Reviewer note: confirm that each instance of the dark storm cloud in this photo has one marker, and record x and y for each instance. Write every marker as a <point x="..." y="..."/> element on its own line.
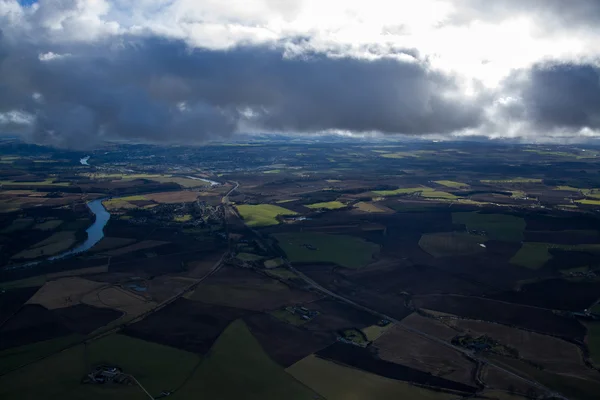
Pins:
<point x="160" y="90"/>
<point x="559" y="96"/>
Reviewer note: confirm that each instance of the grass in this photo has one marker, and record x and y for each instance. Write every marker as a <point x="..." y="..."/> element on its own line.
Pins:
<point x="337" y="382"/>
<point x="273" y="171"/>
<point x="355" y="336"/>
<point x="282" y="273"/>
<point x="23" y="283"/>
<point x="329" y="205"/>
<point x="55" y="244"/>
<point x="421" y="191"/>
<point x="19" y="224"/>
<point x="532" y="255"/>
<point x="273" y="263"/>
<point x="497" y="226"/>
<point x="446" y="244"/>
<point x="48" y="225"/>
<point x="155" y="366"/>
<point x="288" y="317"/>
<point x="249" y="257"/>
<point x="368" y="207"/>
<point x="373" y="332"/>
<point x="237" y="368"/>
<point x="262" y="214"/>
<point x="46" y="182"/>
<point x="568" y="188"/>
<point x="182" y="218"/>
<point x="512" y="180"/>
<point x="588" y="202"/>
<point x="452" y="184"/>
<point x="123" y="202"/>
<point x="346" y="251"/>
<point x="18" y="356"/>
<point x="593" y="340"/>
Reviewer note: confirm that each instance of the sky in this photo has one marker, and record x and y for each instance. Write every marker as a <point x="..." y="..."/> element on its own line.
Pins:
<point x="75" y="73"/>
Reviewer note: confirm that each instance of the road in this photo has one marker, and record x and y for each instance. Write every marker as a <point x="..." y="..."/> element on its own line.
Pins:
<point x="399" y="323"/>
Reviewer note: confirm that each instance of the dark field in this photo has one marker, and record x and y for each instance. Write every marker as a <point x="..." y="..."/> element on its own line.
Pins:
<point x="186" y="324"/>
<point x="33" y="323"/>
<point x="363" y="359"/>
<point x="11" y="300"/>
<point x="537" y="320"/>
<point x="559" y="294"/>
<point x="285" y="343"/>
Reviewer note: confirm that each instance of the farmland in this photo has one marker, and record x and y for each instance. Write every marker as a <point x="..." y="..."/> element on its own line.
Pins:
<point x="262" y="214"/>
<point x="315" y="268"/>
<point x="347" y="251"/>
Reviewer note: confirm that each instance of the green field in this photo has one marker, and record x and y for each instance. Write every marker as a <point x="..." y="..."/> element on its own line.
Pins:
<point x="593" y="340"/>
<point x="262" y="214"/>
<point x="155" y="366"/>
<point x="55" y="244"/>
<point x="337" y="382"/>
<point x="273" y="263"/>
<point x="421" y="191"/>
<point x="282" y="273"/>
<point x="48" y="225"/>
<point x="447" y="244"/>
<point x="512" y="180"/>
<point x="496" y="226"/>
<point x="589" y="202"/>
<point x="18" y="356"/>
<point x="329" y="205"/>
<point x="249" y="257"/>
<point x="288" y="317"/>
<point x="346" y="251"/>
<point x="532" y="255"/>
<point x="373" y="332"/>
<point x="182" y="218"/>
<point x="47" y="182"/>
<point x="237" y="368"/>
<point x="19" y="224"/>
<point x="452" y="184"/>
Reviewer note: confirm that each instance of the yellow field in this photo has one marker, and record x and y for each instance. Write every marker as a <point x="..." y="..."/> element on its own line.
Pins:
<point x="329" y="205"/>
<point x="452" y="184"/>
<point x="182" y="218"/>
<point x="589" y="202"/>
<point x="373" y="332"/>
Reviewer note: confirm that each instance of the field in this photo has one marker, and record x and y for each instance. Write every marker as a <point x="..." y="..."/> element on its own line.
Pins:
<point x="55" y="244"/>
<point x="330" y="205"/>
<point x="420" y="191"/>
<point x="184" y="196"/>
<point x="512" y="180"/>
<point x="496" y="226"/>
<point x="182" y="218"/>
<point x="48" y="225"/>
<point x="237" y="367"/>
<point x="143" y="245"/>
<point x="346" y="251"/>
<point x="116" y="298"/>
<point x="233" y="287"/>
<point x="262" y="214"/>
<point x="452" y="184"/>
<point x="373" y="332"/>
<point x="369" y="207"/>
<point x="593" y="341"/>
<point x="337" y="382"/>
<point x="156" y="367"/>
<point x="447" y="244"/>
<point x="532" y="255"/>
<point x="108" y="243"/>
<point x="403" y="347"/>
<point x="65" y="292"/>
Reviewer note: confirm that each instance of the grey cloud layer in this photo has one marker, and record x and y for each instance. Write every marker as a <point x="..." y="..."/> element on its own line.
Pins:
<point x="155" y="89"/>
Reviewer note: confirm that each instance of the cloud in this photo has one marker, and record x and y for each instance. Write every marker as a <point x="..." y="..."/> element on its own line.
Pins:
<point x="155" y="89"/>
<point x="81" y="71"/>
